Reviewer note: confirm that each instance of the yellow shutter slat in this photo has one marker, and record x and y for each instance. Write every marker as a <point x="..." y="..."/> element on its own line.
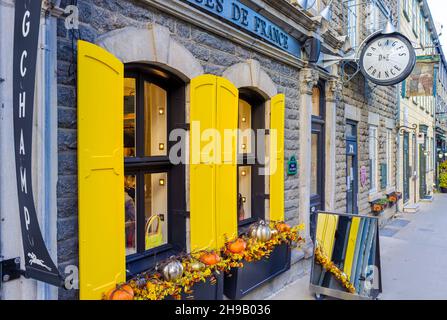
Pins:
<point x="327" y="226"/>
<point x="352" y="246"/>
<point x="277" y="119"/>
<point x="202" y="170"/>
<point x="102" y="254"/>
<point x="226" y="171"/>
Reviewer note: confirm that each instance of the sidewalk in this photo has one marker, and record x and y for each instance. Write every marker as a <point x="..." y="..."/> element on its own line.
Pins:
<point x="414" y="260"/>
<point x="413" y="256"/>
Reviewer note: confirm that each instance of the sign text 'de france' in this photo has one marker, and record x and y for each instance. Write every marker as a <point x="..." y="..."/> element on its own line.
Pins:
<point x="248" y="19"/>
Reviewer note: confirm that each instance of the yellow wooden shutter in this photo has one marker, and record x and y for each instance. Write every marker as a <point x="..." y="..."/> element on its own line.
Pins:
<point x="202" y="170"/>
<point x="102" y="257"/>
<point x="213" y="184"/>
<point x="277" y="158"/>
<point x="226" y="171"/>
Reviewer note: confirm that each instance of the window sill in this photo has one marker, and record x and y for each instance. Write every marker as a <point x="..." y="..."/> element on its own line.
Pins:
<point x="374" y="195"/>
<point x="406" y="15"/>
<point x="138" y="263"/>
<point x="390" y="189"/>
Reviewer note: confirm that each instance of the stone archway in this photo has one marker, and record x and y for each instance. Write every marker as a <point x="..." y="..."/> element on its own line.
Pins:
<point x="249" y="74"/>
<point x="153" y="45"/>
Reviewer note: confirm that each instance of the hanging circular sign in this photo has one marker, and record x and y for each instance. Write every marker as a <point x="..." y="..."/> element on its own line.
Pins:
<point x="387" y="59"/>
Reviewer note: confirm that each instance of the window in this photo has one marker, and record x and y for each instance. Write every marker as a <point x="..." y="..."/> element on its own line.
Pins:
<point x="251" y="184"/>
<point x="376" y="16"/>
<point x="153" y="105"/>
<point x="414" y="17"/>
<point x="351" y="9"/>
<point x="406" y="8"/>
<point x="389" y="156"/>
<point x="373" y="159"/>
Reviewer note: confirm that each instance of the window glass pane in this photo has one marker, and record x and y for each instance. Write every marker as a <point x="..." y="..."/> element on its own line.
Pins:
<point x="156" y="209"/>
<point x="316" y="102"/>
<point x="245" y="125"/>
<point x="130" y="213"/>
<point x="373" y="156"/>
<point x="245" y="193"/>
<point x="351" y="130"/>
<point x="351" y="7"/>
<point x="129" y="116"/>
<point x="314" y="165"/>
<point x="155" y="109"/>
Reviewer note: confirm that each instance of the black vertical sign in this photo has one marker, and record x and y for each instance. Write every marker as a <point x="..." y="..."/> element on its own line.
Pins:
<point x="38" y="262"/>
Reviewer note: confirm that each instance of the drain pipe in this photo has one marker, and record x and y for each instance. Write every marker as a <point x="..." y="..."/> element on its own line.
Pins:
<point x="49" y="128"/>
<point x="398" y="140"/>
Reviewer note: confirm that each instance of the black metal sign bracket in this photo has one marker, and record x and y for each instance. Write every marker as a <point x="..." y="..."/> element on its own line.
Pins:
<point x="10" y="270"/>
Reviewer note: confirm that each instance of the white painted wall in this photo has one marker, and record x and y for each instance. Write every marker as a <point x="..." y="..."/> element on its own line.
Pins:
<point x="10" y="233"/>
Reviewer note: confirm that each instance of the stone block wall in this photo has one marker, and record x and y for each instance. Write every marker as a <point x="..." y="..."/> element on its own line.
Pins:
<point x="215" y="54"/>
<point x="369" y="99"/>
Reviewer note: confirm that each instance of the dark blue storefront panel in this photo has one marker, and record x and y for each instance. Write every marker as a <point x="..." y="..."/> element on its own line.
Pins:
<point x="249" y="20"/>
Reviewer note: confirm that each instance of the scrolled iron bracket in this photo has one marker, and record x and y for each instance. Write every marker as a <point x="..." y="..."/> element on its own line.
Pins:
<point x="404" y="129"/>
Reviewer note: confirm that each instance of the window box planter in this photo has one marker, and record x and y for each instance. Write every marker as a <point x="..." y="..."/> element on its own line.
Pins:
<point x="378" y="206"/>
<point x="392" y="198"/>
<point x="241" y="281"/>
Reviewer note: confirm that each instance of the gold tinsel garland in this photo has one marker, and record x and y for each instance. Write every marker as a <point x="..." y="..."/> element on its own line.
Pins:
<point x="328" y="265"/>
<point x="152" y="286"/>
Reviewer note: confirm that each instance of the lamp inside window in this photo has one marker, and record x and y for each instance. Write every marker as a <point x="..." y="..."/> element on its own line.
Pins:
<point x="153" y="105"/>
<point x="251" y="200"/>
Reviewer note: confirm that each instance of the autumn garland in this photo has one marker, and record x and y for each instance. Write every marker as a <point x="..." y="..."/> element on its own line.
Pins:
<point x="328" y="265"/>
<point x="152" y="286"/>
<point x="257" y="250"/>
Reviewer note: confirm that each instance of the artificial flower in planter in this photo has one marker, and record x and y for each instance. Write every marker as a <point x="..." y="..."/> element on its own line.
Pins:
<point x="259" y="256"/>
<point x="393" y="198"/>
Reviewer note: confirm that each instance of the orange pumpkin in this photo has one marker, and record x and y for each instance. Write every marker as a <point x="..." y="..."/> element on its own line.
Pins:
<point x="393" y="199"/>
<point x="210" y="258"/>
<point x="237" y="246"/>
<point x="283" y="227"/>
<point x="122" y="292"/>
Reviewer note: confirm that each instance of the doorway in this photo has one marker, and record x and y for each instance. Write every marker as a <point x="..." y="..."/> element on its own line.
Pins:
<point x="352" y="184"/>
<point x="406" y="167"/>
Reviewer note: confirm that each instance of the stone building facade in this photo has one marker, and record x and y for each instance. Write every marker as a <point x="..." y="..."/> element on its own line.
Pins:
<point x="367" y="105"/>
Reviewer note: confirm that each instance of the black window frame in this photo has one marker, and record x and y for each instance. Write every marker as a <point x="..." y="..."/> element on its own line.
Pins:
<point x="258" y="195"/>
<point x="319" y="128"/>
<point x="140" y="165"/>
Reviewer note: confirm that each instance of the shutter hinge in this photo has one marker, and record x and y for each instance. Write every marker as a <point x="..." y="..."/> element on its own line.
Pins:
<point x="2" y="80"/>
<point x="10" y="270"/>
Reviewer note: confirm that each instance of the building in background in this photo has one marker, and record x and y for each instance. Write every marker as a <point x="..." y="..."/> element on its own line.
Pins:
<point x="366" y="119"/>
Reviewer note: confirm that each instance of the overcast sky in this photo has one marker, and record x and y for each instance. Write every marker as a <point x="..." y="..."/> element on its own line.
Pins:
<point x="439" y="12"/>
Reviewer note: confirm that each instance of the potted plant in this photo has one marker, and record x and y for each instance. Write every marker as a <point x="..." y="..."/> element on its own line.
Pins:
<point x="266" y="255"/>
<point x="393" y="198"/>
<point x="443" y="177"/>
<point x="443" y="182"/>
<point x="378" y="206"/>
